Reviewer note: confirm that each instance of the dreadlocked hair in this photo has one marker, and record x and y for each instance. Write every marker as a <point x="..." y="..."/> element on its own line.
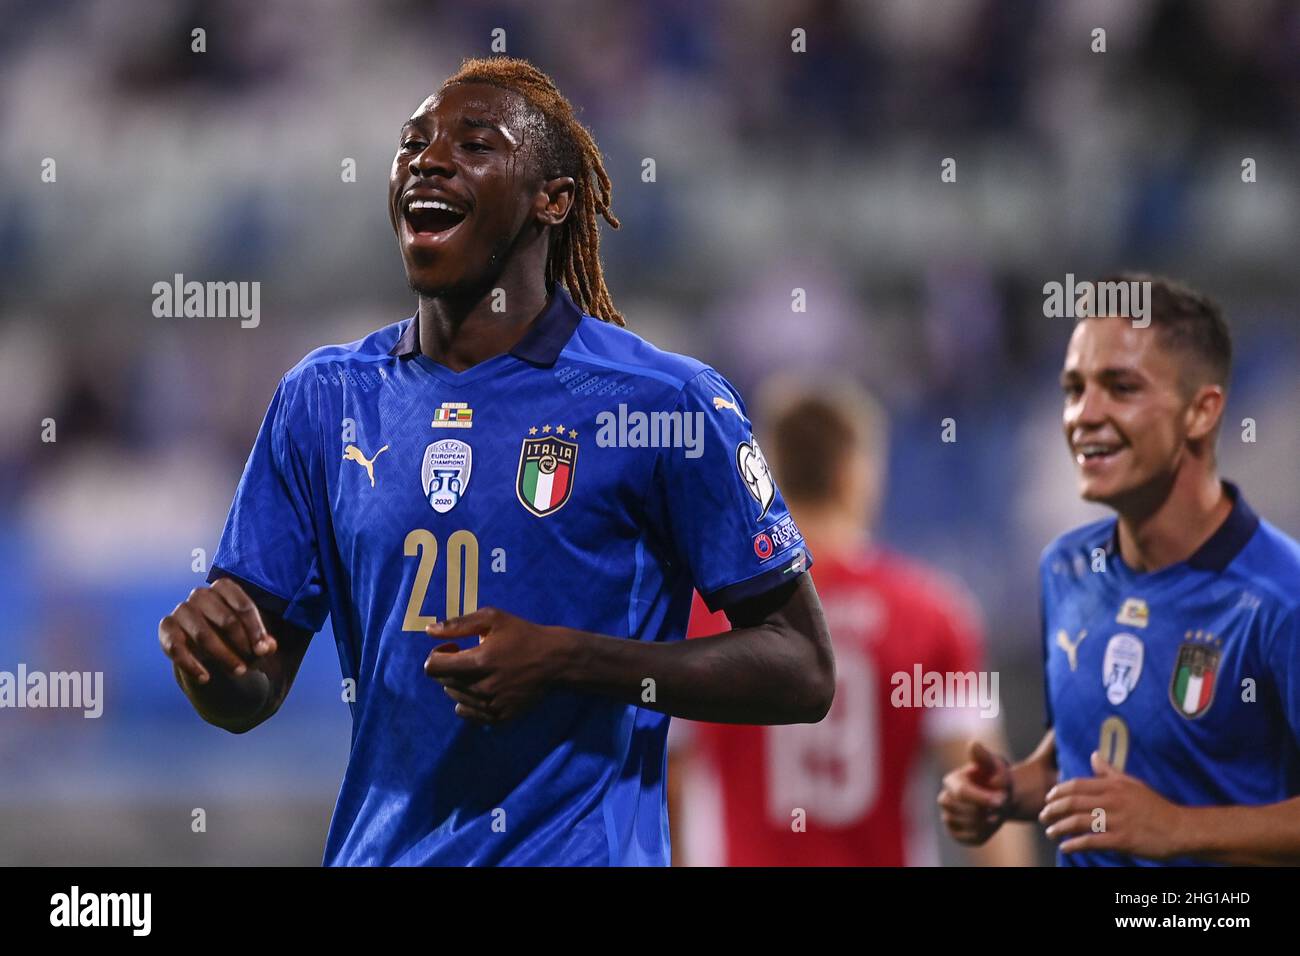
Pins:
<point x="566" y="149"/>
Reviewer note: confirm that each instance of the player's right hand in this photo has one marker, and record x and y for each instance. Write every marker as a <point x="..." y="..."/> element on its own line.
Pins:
<point x="215" y="627"/>
<point x="974" y="799"/>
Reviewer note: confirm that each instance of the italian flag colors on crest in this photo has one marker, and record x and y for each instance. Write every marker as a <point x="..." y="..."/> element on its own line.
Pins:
<point x="1192" y="688"/>
<point x="546" y="474"/>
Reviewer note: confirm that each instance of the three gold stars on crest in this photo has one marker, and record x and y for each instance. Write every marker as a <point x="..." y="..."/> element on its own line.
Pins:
<point x="559" y="431"/>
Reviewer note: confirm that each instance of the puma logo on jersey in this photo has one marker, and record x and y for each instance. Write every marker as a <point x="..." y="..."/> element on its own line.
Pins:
<point x="1071" y="650"/>
<point x="720" y="403"/>
<point x="353" y="453"/>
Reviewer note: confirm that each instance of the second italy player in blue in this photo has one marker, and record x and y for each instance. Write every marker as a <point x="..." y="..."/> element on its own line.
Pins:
<point x="1171" y="632"/>
<point x="503" y="504"/>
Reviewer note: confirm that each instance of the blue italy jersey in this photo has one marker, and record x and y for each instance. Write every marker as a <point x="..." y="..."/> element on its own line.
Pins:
<point x="1187" y="678"/>
<point x="584" y="479"/>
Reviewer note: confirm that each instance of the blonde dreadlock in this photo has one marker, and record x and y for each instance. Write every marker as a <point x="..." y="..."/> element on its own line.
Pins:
<point x="567" y="149"/>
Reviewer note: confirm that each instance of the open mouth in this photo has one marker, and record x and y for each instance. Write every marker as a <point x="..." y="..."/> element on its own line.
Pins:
<point x="429" y="217"/>
<point x="1096" y="453"/>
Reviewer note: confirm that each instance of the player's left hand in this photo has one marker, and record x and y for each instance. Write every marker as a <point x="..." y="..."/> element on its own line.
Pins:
<point x="505" y="674"/>
<point x="1137" y="819"/>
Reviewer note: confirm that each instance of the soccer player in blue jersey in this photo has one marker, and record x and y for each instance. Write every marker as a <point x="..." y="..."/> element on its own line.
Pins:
<point x="1171" y="632"/>
<point x="502" y="504"/>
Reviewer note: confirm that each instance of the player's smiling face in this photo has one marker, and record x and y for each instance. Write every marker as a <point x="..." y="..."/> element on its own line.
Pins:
<point x="462" y="187"/>
<point x="1125" y="414"/>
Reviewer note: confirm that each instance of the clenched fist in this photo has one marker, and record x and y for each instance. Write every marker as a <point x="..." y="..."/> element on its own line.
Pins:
<point x="215" y="627"/>
<point x="976" y="797"/>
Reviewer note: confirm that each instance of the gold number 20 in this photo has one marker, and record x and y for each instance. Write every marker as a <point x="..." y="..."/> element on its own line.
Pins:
<point x="462" y="567"/>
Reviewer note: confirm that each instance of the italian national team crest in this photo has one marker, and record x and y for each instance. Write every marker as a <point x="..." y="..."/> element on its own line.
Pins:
<point x="1196" y="671"/>
<point x="545" y="478"/>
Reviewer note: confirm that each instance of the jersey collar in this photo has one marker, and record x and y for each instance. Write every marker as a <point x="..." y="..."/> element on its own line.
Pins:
<point x="1225" y="544"/>
<point x="541" y="344"/>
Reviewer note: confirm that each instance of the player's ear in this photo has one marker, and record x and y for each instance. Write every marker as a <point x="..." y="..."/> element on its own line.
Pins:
<point x="1205" y="410"/>
<point x="555" y="200"/>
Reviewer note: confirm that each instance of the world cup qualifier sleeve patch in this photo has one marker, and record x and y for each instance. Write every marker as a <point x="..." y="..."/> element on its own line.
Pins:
<point x="755" y="473"/>
<point x="717" y="503"/>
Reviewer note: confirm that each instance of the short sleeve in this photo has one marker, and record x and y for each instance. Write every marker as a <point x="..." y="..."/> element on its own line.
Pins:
<point x="269" y="544"/>
<point x="717" y="503"/>
<point x="1283" y="661"/>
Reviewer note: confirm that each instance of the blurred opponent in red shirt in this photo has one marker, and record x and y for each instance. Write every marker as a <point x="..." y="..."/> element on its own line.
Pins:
<point x="836" y="793"/>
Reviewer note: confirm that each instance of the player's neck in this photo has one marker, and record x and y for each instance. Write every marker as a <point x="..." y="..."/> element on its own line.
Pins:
<point x="1172" y="530"/>
<point x="460" y="331"/>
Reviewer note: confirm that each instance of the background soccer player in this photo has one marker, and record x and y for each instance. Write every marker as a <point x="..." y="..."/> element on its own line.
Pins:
<point x="1171" y="633"/>
<point x="446" y="477"/>
<point x="851" y="773"/>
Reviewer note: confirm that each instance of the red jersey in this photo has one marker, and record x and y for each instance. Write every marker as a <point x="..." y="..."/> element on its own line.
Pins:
<point x="849" y="773"/>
